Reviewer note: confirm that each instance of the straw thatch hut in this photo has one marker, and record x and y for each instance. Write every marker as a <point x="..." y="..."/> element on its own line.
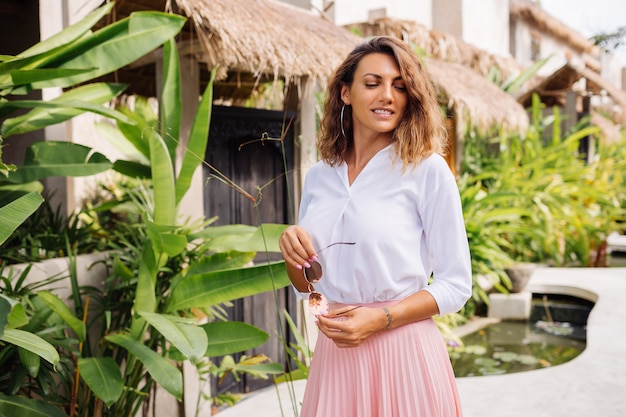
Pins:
<point x="539" y="19"/>
<point x="253" y="42"/>
<point x="575" y="82"/>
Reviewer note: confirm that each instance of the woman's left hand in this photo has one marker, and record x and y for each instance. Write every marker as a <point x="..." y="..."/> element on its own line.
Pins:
<point x="350" y="326"/>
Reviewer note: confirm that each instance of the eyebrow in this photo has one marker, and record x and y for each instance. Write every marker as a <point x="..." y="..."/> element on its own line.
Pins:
<point x="399" y="77"/>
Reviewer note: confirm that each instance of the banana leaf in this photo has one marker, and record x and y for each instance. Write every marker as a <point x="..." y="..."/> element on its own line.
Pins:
<point x="189" y="339"/>
<point x="103" y="377"/>
<point x="26" y="407"/>
<point x="16" y="212"/>
<point x="171" y="98"/>
<point x="212" y="288"/>
<point x="32" y="343"/>
<point x="49" y="159"/>
<point x="228" y="337"/>
<point x="162" y="180"/>
<point x="198" y="139"/>
<point x="66" y="106"/>
<point x="114" y="46"/>
<point x="163" y="372"/>
<point x="65" y="313"/>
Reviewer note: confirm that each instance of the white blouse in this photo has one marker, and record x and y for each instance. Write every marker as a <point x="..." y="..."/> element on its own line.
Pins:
<point x="405" y="225"/>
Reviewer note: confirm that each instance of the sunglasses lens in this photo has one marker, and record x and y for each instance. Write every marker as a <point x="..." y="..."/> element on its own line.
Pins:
<point x="317" y="304"/>
<point x="314" y="273"/>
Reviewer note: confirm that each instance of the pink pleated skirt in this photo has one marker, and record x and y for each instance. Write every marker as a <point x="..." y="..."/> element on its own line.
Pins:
<point x="403" y="372"/>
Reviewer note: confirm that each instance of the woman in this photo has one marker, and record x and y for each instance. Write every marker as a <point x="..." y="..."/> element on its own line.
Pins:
<point x="385" y="194"/>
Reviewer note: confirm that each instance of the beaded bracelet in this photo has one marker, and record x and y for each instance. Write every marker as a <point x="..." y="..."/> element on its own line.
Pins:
<point x="389" y="318"/>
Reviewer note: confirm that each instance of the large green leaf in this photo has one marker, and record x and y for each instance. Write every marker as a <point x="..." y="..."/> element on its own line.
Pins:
<point x="17" y="318"/>
<point x="103" y="377"/>
<point x="165" y="239"/>
<point x="32" y="343"/>
<point x="242" y="238"/>
<point x="44" y="50"/>
<point x="116" y="138"/>
<point x="28" y="76"/>
<point x="30" y="361"/>
<point x="49" y="159"/>
<point x="189" y="339"/>
<point x="145" y="119"/>
<point x="162" y="180"/>
<point x="163" y="372"/>
<point x="62" y="108"/>
<point x="221" y="260"/>
<point x="171" y="97"/>
<point x="16" y="406"/>
<point x="132" y="169"/>
<point x="198" y="139"/>
<point x="65" y="313"/>
<point x="16" y="212"/>
<point x="145" y="297"/>
<point x="235" y="233"/>
<point x="212" y="288"/>
<point x="70" y="33"/>
<point x="228" y="337"/>
<point x="5" y="311"/>
<point x="265" y="238"/>
<point x="115" y="46"/>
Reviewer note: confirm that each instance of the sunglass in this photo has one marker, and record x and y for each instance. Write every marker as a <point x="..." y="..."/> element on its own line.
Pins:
<point x="317" y="302"/>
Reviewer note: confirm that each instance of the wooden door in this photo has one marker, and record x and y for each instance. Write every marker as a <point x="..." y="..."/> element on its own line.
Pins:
<point x="243" y="146"/>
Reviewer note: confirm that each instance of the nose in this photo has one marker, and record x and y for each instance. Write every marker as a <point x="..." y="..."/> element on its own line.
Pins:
<point x="387" y="92"/>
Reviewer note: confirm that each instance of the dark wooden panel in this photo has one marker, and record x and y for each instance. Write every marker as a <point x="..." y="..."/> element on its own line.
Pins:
<point x="242" y="146"/>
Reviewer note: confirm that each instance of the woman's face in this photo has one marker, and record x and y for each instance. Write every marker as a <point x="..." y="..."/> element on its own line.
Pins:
<point x="377" y="95"/>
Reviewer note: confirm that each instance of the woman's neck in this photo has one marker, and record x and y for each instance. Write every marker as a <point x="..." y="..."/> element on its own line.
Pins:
<point x="361" y="152"/>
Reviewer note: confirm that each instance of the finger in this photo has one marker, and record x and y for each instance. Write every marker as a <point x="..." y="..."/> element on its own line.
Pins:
<point x="329" y="327"/>
<point x="342" y="311"/>
<point x="296" y="245"/>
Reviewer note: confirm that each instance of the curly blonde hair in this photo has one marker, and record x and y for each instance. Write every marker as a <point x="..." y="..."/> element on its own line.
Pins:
<point x="421" y="131"/>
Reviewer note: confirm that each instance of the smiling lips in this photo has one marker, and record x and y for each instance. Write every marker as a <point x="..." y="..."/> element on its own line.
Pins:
<point x="383" y="112"/>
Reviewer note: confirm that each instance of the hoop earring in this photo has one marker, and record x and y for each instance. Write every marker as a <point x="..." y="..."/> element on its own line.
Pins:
<point x="341" y="121"/>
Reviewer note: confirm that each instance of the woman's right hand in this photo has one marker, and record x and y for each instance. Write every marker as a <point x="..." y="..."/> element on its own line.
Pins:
<point x="296" y="247"/>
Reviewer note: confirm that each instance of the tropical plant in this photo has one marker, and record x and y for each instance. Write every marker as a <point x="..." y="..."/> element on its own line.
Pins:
<point x="157" y="306"/>
<point x="543" y="201"/>
<point x="69" y="59"/>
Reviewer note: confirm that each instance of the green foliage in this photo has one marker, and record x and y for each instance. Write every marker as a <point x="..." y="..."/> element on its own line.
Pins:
<point x="47" y="233"/>
<point x="141" y="330"/>
<point x="610" y="41"/>
<point x="73" y="56"/>
<point x="534" y="198"/>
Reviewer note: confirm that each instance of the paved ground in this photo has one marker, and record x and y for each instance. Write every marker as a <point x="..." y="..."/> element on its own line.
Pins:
<point x="593" y="384"/>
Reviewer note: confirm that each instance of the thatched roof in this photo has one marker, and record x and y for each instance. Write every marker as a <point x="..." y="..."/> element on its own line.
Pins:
<point x="254" y="40"/>
<point x="440" y="45"/>
<point x="267" y="37"/>
<point x="535" y="16"/>
<point x="552" y="89"/>
<point x="473" y="99"/>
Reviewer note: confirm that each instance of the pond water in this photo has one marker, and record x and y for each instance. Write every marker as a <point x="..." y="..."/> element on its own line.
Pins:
<point x="554" y="334"/>
<point x="617" y="259"/>
<point x="509" y="347"/>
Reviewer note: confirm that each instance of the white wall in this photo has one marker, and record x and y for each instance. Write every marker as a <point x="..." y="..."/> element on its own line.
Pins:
<point x="612" y="68"/>
<point x="356" y="11"/>
<point x="548" y="47"/>
<point x="486" y="25"/>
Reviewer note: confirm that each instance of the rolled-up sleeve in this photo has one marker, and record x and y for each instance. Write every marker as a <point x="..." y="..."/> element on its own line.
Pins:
<point x="447" y="244"/>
